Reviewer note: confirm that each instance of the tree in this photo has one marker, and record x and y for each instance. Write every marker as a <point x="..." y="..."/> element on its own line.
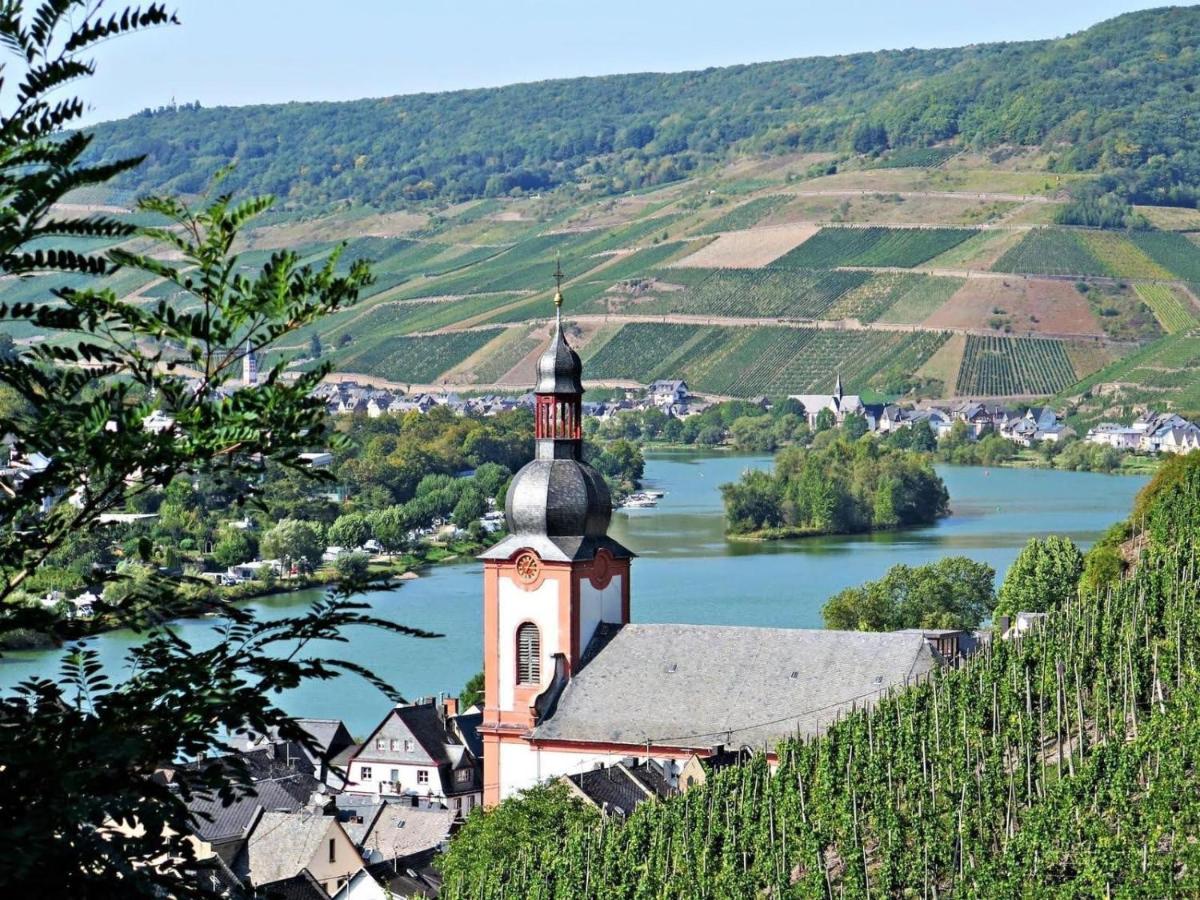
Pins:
<point x="470" y="507"/>
<point x="294" y="541"/>
<point x="1043" y="577"/>
<point x="472" y="692"/>
<point x="954" y="592"/>
<point x="825" y="420"/>
<point x="391" y="527"/>
<point x="233" y="547"/>
<point x="352" y="567"/>
<point x="314" y="346"/>
<point x="351" y="531"/>
<point x="173" y="700"/>
<point x="855" y="425"/>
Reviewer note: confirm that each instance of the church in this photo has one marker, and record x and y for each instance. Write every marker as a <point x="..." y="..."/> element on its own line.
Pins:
<point x="572" y="683"/>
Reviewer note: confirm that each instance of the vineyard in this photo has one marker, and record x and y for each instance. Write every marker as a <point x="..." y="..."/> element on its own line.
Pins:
<point x="1121" y="257"/>
<point x="1172" y="251"/>
<point x="1173" y="312"/>
<point x="748" y="361"/>
<point x="415" y="359"/>
<point x="746" y="215"/>
<point x="1002" y="366"/>
<point x="1058" y="763"/>
<point x="916" y="157"/>
<point x="1051" y="251"/>
<point x="750" y="293"/>
<point x="903" y="298"/>
<point x="902" y="247"/>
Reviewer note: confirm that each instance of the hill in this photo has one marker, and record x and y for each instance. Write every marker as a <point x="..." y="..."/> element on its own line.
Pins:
<point x="1112" y="98"/>
<point x="948" y="264"/>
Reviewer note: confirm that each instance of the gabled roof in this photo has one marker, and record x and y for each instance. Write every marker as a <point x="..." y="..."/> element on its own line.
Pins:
<point x="400" y="830"/>
<point x="700" y="686"/>
<point x="284" y="843"/>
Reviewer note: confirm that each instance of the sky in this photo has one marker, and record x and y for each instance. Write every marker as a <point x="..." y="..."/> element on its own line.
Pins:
<point x="235" y="52"/>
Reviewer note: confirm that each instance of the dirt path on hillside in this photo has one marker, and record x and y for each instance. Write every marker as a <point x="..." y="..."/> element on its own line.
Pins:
<point x="961" y="195"/>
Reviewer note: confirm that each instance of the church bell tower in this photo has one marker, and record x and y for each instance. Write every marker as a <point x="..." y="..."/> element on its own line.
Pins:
<point x="550" y="584"/>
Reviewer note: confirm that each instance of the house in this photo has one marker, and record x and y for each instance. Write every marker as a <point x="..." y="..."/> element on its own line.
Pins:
<point x="363" y="886"/>
<point x="616" y="789"/>
<point x="396" y="831"/>
<point x="329" y="737"/>
<point x="1119" y="437"/>
<point x="668" y="393"/>
<point x="420" y="753"/>
<point x="285" y="844"/>
<point x="280" y="782"/>
<point x="321" y="459"/>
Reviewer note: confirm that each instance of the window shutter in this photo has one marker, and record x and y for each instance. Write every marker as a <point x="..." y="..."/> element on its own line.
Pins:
<point x="529" y="654"/>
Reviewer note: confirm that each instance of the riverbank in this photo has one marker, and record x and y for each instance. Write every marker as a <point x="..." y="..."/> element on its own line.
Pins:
<point x="197" y="598"/>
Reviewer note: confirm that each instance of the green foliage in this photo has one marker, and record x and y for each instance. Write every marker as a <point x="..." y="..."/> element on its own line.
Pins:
<point x="1044" y="576"/>
<point x="1051" y="251"/>
<point x="1167" y="509"/>
<point x="472" y="692"/>
<point x="295" y="541"/>
<point x="83" y="397"/>
<point x="623" y="132"/>
<point x="1172" y="251"/>
<point x="234" y="547"/>
<point x="352" y="567"/>
<point x="350" y="531"/>
<point x="746" y="214"/>
<point x="842" y="488"/>
<point x="904" y="247"/>
<point x="536" y="818"/>
<point x="419" y="360"/>
<point x="1002" y="366"/>
<point x="954" y="592"/>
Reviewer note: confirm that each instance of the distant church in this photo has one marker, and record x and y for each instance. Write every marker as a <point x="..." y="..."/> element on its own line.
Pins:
<point x="570" y="683"/>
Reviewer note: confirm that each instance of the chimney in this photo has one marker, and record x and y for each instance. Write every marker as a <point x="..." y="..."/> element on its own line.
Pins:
<point x="450" y="705"/>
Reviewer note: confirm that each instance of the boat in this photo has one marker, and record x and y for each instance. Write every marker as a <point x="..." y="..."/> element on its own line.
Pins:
<point x="639" y="501"/>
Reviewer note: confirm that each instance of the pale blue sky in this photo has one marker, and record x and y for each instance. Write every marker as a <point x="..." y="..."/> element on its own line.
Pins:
<point x="266" y="51"/>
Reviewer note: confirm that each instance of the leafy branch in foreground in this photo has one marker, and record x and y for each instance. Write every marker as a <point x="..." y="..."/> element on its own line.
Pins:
<point x="95" y="822"/>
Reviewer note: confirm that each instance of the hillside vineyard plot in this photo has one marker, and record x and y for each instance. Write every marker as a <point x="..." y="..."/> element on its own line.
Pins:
<point x="746" y="215"/>
<point x="902" y="247"/>
<point x="1172" y="251"/>
<point x="1051" y="251"/>
<point x="748" y="361"/>
<point x="754" y="293"/>
<point x="1173" y="312"/>
<point x="1001" y="366"/>
<point x="417" y="360"/>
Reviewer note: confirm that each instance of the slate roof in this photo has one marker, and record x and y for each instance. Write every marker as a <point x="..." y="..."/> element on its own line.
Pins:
<point x="299" y="887"/>
<point x="400" y="830"/>
<point x="612" y="788"/>
<point x="276" y="786"/>
<point x="284" y="843"/>
<point x="701" y="686"/>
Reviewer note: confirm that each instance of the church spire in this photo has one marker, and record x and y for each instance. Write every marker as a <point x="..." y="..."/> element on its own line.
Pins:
<point x="558" y="297"/>
<point x="837" y="387"/>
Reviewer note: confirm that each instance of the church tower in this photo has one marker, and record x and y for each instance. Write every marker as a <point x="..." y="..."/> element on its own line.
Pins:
<point x="553" y="580"/>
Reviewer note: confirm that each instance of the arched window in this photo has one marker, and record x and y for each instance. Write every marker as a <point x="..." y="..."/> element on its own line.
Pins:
<point x="529" y="654"/>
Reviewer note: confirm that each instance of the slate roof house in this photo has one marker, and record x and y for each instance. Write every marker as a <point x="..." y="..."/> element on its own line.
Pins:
<point x="570" y="682"/>
<point x="285" y="845"/>
<point x="421" y="753"/>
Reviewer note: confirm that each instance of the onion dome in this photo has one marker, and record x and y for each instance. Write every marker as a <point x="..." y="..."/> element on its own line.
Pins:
<point x="558" y="498"/>
<point x="559" y="369"/>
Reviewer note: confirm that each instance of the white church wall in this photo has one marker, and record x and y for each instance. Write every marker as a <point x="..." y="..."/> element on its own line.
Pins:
<point x="518" y="605"/>
<point x="596" y="606"/>
<point x="523" y="766"/>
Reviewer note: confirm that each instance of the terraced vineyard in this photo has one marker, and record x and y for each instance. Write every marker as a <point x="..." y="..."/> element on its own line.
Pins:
<point x="1172" y="251"/>
<point x="1051" y="251"/>
<point x="903" y="298"/>
<point x="416" y="359"/>
<point x="918" y="157"/>
<point x="747" y="361"/>
<point x="1173" y="312"/>
<point x="999" y="366"/>
<point x="902" y="247"/>
<point x="746" y="215"/>
<point x="1122" y="257"/>
<point x="765" y="293"/>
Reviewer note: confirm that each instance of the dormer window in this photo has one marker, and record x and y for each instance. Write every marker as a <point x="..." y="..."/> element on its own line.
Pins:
<point x="529" y="654"/>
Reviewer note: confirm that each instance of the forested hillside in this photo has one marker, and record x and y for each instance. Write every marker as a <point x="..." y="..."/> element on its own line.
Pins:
<point x="1118" y="98"/>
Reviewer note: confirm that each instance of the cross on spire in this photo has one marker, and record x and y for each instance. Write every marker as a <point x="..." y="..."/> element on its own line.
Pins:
<point x="558" y="297"/>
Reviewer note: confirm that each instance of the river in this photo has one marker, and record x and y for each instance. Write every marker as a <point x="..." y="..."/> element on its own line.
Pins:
<point x="686" y="572"/>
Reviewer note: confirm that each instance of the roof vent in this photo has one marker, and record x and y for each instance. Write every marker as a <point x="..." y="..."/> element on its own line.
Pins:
<point x="795" y="674"/>
<point x="671" y="668"/>
<point x="878" y="679"/>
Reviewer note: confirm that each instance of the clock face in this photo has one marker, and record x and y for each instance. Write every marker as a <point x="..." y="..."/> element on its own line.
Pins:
<point x="528" y="567"/>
